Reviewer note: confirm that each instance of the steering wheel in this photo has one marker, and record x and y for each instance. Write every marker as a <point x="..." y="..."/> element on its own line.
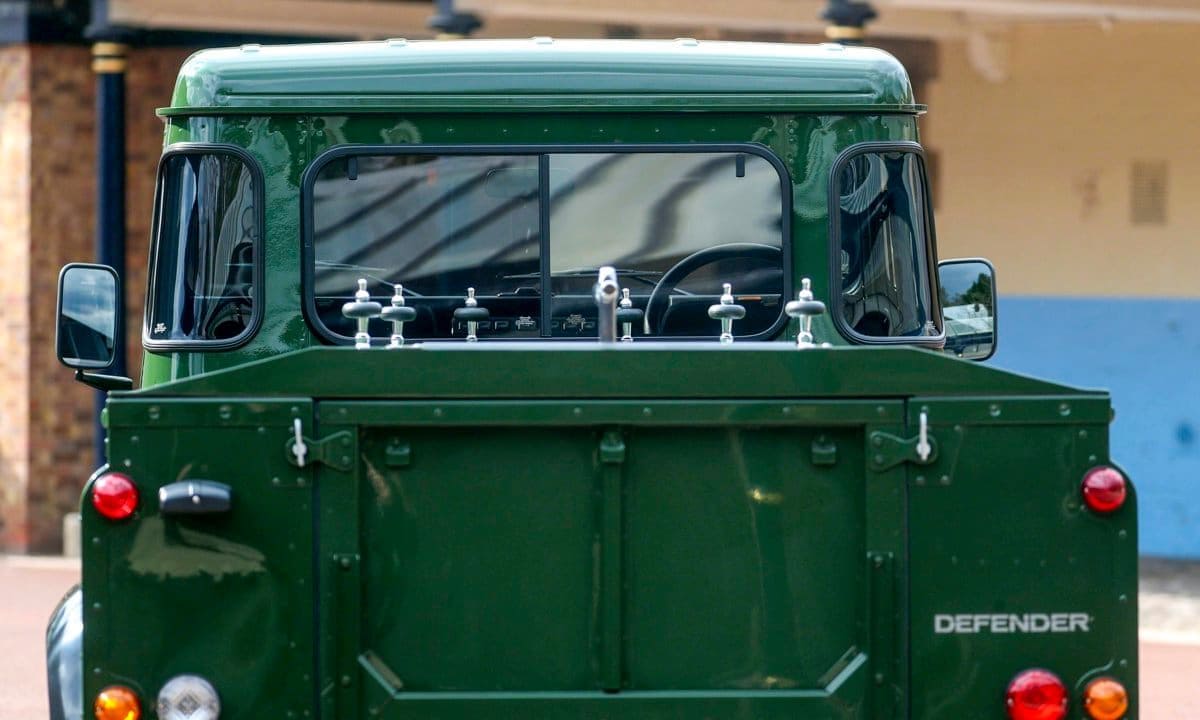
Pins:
<point x="690" y="264"/>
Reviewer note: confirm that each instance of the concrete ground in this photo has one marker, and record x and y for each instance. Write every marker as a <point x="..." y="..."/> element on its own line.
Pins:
<point x="1169" y="603"/>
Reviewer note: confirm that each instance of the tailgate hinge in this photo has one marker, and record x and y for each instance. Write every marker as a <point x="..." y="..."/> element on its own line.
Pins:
<point x="336" y="450"/>
<point x="887" y="451"/>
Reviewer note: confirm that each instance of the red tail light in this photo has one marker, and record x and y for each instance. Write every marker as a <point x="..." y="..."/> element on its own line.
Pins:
<point x="1104" y="490"/>
<point x="1037" y="695"/>
<point x="114" y="496"/>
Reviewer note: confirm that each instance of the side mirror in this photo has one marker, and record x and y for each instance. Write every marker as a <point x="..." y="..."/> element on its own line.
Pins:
<point x="967" y="290"/>
<point x="87" y="316"/>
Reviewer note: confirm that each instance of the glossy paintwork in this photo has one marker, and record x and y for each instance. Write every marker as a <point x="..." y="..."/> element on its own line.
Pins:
<point x="165" y="596"/>
<point x="638" y="370"/>
<point x="572" y="531"/>
<point x="284" y="145"/>
<point x="454" y="572"/>
<point x="513" y="75"/>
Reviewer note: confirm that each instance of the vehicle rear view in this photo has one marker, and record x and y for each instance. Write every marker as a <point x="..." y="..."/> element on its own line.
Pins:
<point x="580" y="380"/>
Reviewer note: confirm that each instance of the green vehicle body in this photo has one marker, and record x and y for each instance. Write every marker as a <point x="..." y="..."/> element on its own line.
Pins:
<point x="654" y="530"/>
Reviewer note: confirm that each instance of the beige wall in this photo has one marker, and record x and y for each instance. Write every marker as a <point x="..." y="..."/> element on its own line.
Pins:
<point x="1035" y="170"/>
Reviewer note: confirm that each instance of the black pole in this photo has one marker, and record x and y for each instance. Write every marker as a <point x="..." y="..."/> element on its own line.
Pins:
<point x="108" y="64"/>
<point x="451" y="24"/>
<point x="848" y="20"/>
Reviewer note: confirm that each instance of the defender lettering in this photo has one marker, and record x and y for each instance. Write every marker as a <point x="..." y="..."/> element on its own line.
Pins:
<point x="1000" y="624"/>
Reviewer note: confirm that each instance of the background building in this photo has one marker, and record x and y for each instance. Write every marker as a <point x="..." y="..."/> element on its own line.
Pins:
<point x="1060" y="144"/>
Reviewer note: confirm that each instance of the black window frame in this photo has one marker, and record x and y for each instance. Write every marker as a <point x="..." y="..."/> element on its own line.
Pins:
<point x="543" y="152"/>
<point x="258" y="297"/>
<point x="835" y="247"/>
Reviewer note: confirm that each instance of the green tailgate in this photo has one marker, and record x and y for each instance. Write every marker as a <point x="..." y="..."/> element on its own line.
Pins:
<point x="655" y="531"/>
<point x="608" y="558"/>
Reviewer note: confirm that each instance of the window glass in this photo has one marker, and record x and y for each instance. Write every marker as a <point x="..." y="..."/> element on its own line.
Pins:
<point x="884" y="259"/>
<point x="203" y="267"/>
<point x="439" y="224"/>
<point x="645" y="213"/>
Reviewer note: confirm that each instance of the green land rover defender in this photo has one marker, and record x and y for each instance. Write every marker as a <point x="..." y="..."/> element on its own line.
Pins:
<point x="576" y="380"/>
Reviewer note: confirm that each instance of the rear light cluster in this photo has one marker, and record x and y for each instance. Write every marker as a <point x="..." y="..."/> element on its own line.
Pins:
<point x="117" y="703"/>
<point x="1104" y="490"/>
<point x="188" y="697"/>
<point x="183" y="697"/>
<point x="1105" y="699"/>
<point x="114" y="496"/>
<point x="1039" y="695"/>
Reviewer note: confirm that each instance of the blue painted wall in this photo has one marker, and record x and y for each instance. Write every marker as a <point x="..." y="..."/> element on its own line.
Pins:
<point x="1147" y="353"/>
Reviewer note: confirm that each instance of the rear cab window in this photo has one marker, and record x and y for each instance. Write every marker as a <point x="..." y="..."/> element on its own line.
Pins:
<point x="528" y="229"/>
<point x="882" y="235"/>
<point x="205" y="256"/>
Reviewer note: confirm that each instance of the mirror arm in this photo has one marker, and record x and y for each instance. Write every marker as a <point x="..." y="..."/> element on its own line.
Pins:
<point x="104" y="382"/>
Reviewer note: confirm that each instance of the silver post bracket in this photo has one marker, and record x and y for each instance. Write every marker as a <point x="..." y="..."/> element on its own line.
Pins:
<point x="726" y="311"/>
<point x="606" y="293"/>
<point x="805" y="307"/>
<point x="397" y="314"/>
<point x="361" y="310"/>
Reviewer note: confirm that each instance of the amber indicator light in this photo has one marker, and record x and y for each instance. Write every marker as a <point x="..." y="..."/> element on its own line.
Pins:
<point x="114" y="496"/>
<point x="1036" y="695"/>
<point x="117" y="703"/>
<point x="1104" y="490"/>
<point x="1105" y="699"/>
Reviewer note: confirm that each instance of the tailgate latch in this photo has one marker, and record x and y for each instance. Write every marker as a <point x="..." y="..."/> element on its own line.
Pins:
<point x="888" y="451"/>
<point x="336" y="450"/>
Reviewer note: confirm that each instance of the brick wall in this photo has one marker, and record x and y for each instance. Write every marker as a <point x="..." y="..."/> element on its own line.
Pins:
<point x="14" y="294"/>
<point x="47" y="211"/>
<point x="62" y="208"/>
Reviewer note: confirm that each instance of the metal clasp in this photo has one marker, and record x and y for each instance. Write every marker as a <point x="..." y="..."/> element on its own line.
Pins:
<point x="924" y="449"/>
<point x="299" y="449"/>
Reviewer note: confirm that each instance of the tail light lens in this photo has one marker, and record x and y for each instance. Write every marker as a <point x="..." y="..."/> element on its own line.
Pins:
<point x="1037" y="695"/>
<point x="188" y="697"/>
<point x="117" y="703"/>
<point x="1105" y="699"/>
<point x="1104" y="490"/>
<point x="114" y="496"/>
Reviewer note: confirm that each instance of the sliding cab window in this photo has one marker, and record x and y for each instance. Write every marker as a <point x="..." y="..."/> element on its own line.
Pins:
<point x="882" y="238"/>
<point x="529" y="231"/>
<point x="204" y="264"/>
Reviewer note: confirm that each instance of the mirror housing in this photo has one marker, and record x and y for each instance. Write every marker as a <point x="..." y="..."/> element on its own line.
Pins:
<point x="967" y="295"/>
<point x="88" y="324"/>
